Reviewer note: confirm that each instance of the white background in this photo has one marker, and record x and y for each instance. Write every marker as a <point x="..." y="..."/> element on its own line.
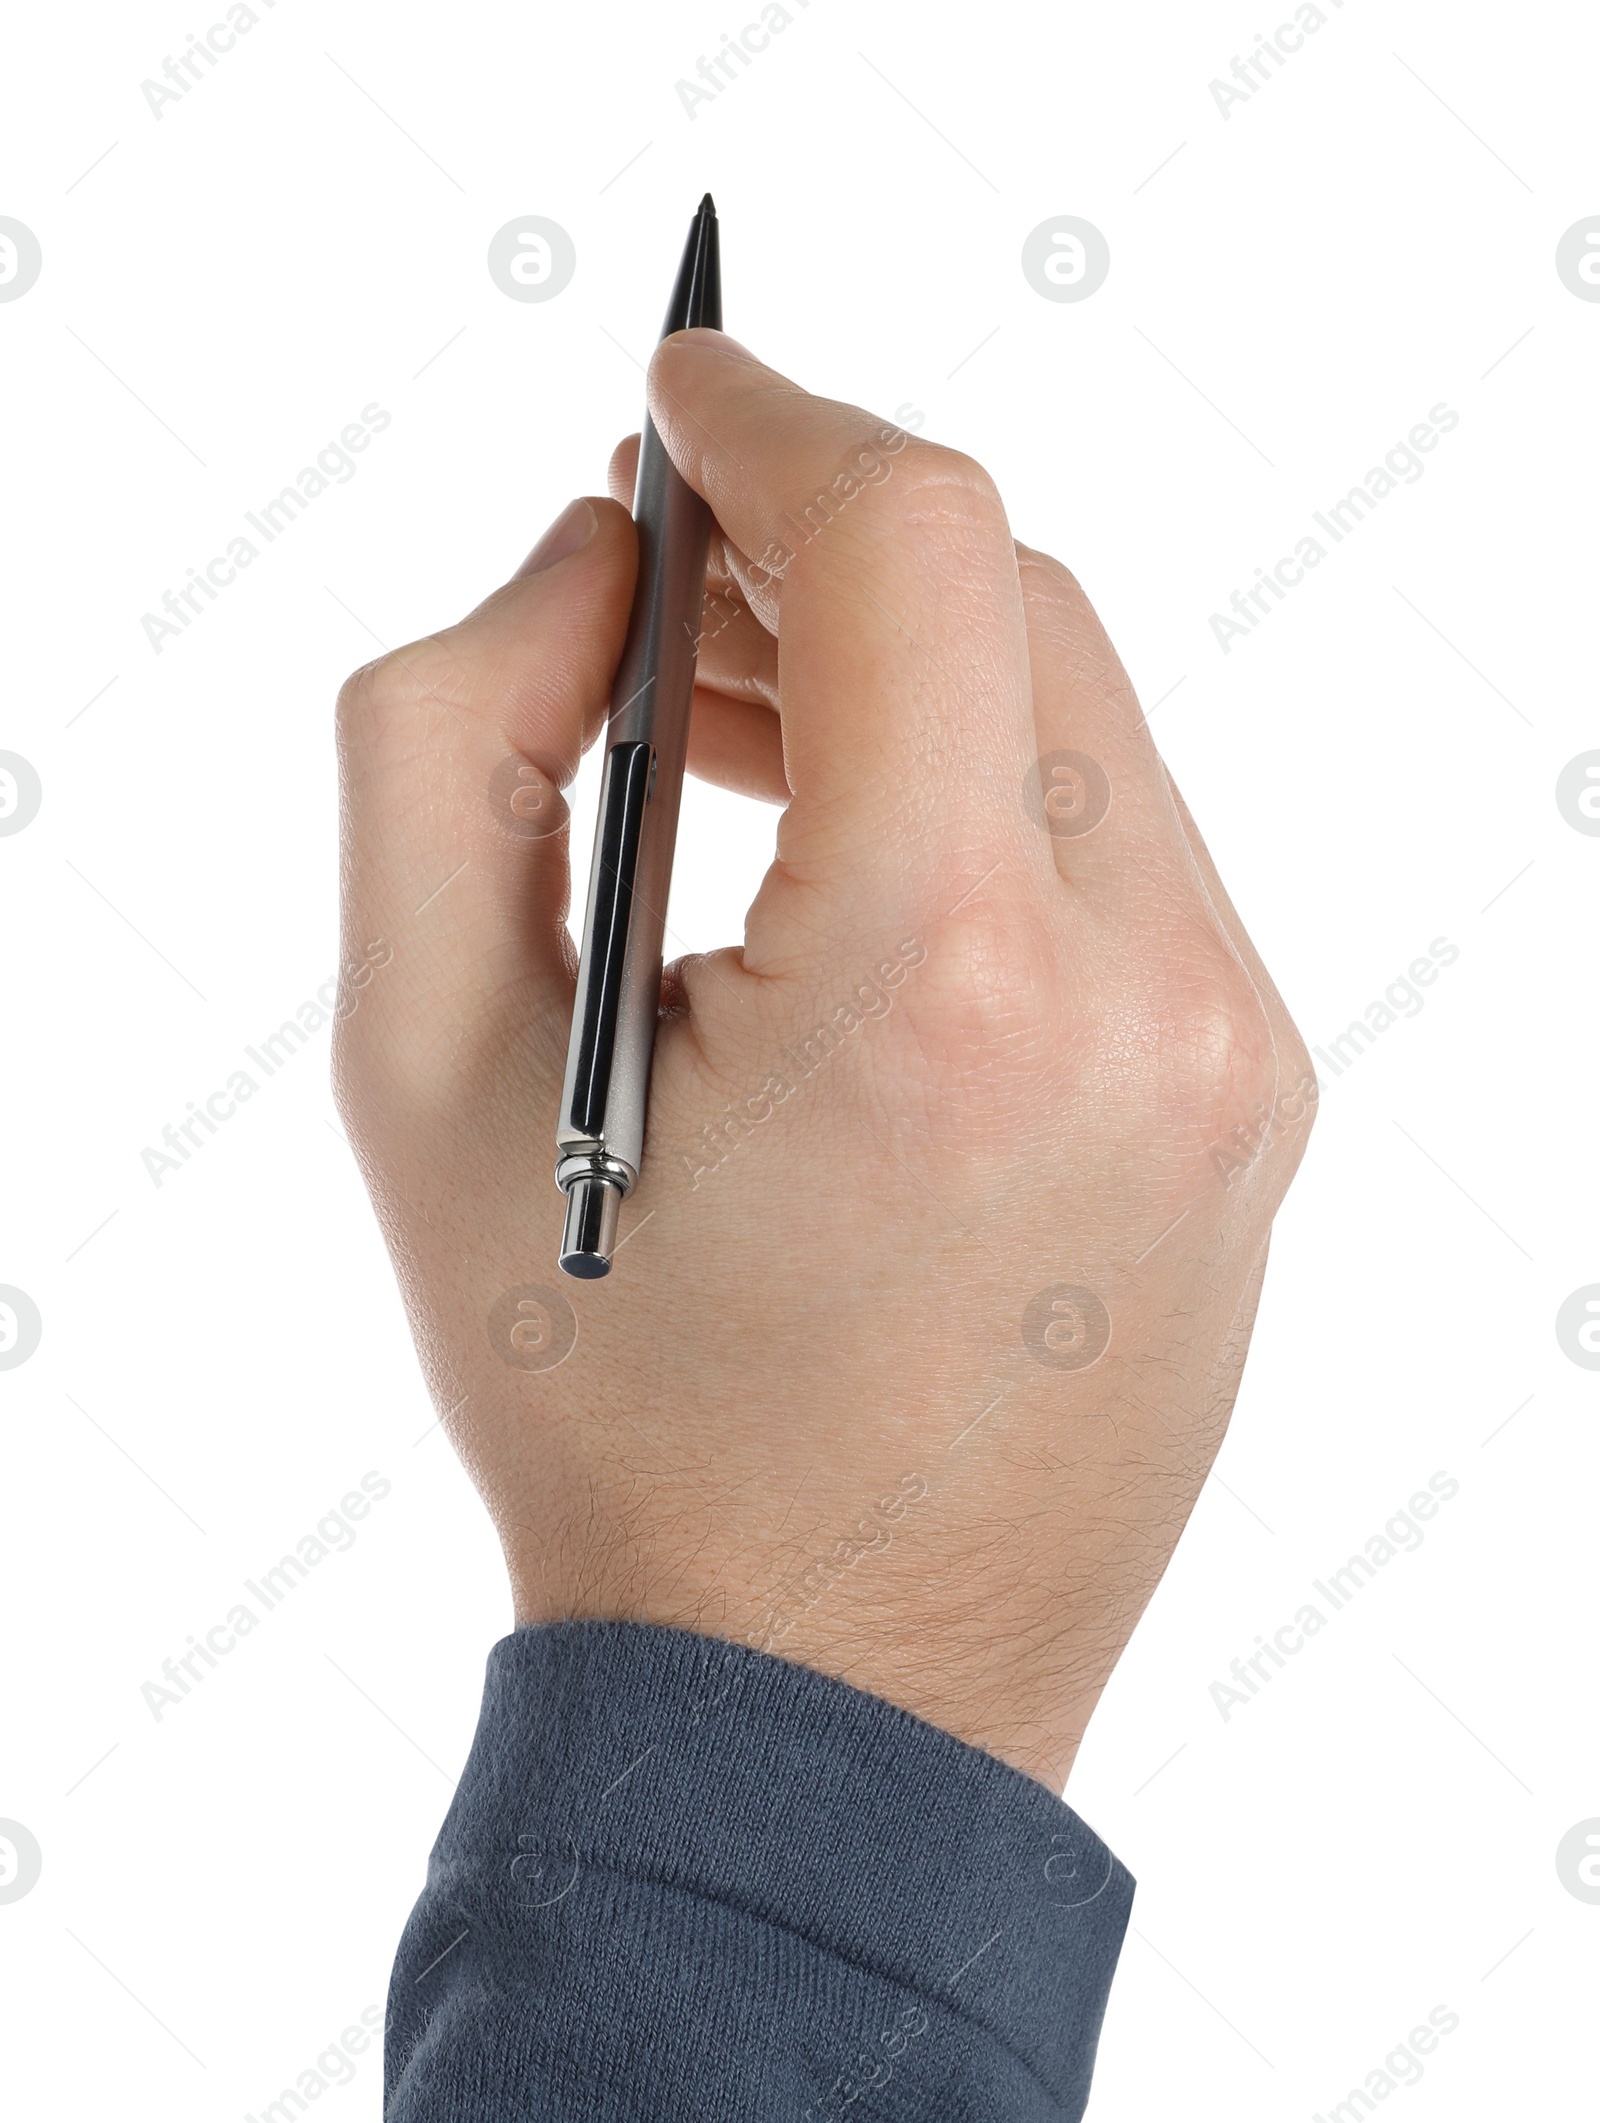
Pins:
<point x="304" y="233"/>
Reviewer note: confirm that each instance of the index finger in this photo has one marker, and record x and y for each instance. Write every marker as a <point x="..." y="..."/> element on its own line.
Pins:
<point x="903" y="655"/>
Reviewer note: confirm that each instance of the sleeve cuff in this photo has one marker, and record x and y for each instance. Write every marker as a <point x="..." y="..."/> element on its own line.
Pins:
<point x="683" y="1877"/>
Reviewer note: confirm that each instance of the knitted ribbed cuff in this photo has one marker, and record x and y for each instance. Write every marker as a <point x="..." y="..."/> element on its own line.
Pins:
<point x="683" y="1877"/>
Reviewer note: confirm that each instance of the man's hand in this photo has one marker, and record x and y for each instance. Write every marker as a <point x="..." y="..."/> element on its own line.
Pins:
<point x="935" y="1289"/>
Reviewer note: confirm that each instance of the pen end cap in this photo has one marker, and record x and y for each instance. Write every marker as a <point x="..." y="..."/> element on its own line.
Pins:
<point x="590" y="1237"/>
<point x="587" y="1267"/>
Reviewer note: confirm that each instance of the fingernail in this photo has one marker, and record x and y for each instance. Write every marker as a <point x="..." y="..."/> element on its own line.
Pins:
<point x="572" y="529"/>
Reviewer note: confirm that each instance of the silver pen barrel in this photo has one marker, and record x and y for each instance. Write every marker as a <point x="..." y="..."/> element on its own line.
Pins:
<point x="600" y="1131"/>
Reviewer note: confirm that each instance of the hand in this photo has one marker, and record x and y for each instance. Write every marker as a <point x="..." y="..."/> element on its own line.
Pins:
<point x="935" y="1289"/>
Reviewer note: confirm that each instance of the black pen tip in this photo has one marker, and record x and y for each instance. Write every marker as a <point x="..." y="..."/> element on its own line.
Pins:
<point x="697" y="297"/>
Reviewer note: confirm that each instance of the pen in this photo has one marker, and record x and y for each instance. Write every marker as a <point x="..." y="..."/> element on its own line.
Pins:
<point x="600" y="1132"/>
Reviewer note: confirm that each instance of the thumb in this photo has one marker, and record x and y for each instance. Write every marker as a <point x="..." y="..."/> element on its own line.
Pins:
<point x="453" y="753"/>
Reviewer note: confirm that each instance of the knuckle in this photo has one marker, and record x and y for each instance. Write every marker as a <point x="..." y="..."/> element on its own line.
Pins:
<point x="365" y="687"/>
<point x="366" y="699"/>
<point x="1229" y="1056"/>
<point x="1045" y="576"/>
<point x="1078" y="650"/>
<point x="1204" y="1041"/>
<point x="392" y="687"/>
<point x="998" y="965"/>
<point x="920" y="487"/>
<point x="1230" y="1078"/>
<point x="935" y="483"/>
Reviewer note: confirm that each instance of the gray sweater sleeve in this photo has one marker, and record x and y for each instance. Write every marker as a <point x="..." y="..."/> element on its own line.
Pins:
<point x="685" y="1879"/>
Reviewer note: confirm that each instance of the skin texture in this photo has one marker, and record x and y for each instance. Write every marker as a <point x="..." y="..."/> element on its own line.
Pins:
<point x="811" y="1408"/>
